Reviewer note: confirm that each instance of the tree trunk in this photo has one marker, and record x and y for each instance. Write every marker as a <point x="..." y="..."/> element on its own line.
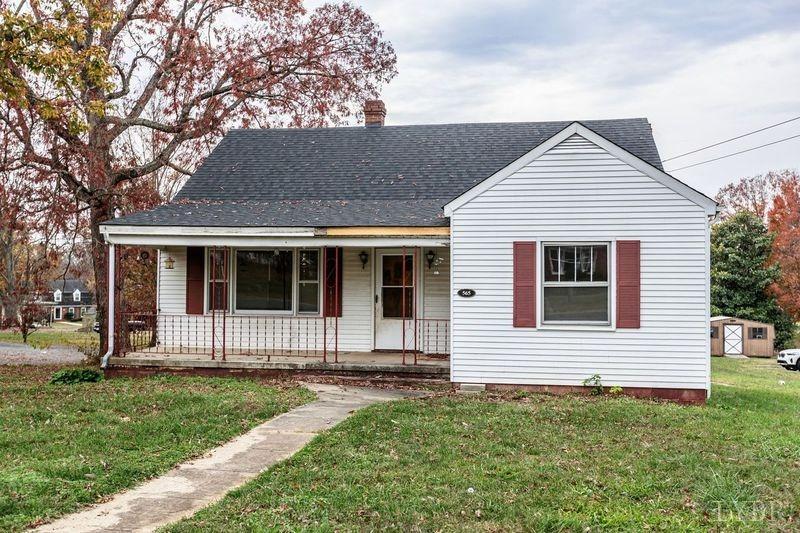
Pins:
<point x="7" y="250"/>
<point x="101" y="211"/>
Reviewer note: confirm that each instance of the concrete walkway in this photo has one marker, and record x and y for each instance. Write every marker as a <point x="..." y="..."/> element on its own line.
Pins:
<point x="191" y="486"/>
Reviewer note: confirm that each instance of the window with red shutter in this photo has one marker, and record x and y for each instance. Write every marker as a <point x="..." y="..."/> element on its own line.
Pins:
<point x="628" y="284"/>
<point x="525" y="284"/>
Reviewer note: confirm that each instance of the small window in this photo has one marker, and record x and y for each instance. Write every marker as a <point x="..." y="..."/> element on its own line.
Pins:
<point x="76" y="296"/>
<point x="714" y="332"/>
<point x="575" y="286"/>
<point x="308" y="281"/>
<point x="758" y="333"/>
<point x="57" y="296"/>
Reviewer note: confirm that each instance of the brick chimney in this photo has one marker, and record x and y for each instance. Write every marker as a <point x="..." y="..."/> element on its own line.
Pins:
<point x="374" y="113"/>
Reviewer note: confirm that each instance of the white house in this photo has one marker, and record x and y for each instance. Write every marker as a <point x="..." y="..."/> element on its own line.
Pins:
<point x="525" y="255"/>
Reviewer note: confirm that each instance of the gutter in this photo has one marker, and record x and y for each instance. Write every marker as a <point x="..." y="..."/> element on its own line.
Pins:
<point x="110" y="311"/>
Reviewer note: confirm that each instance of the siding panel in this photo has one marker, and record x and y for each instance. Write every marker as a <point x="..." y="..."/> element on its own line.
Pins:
<point x="578" y="192"/>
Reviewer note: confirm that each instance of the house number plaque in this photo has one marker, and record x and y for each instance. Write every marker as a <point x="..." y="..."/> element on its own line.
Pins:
<point x="466" y="293"/>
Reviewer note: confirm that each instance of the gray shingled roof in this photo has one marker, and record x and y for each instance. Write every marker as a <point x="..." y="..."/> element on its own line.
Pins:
<point x="294" y="213"/>
<point x="67" y="287"/>
<point x="391" y="175"/>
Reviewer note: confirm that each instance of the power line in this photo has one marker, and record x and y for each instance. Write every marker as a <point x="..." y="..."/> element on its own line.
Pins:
<point x="733" y="139"/>
<point x="736" y="153"/>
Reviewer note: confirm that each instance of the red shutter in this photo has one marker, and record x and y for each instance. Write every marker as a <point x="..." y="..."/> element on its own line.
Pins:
<point x="524" y="284"/>
<point x="195" y="279"/>
<point x="628" y="284"/>
<point x="332" y="305"/>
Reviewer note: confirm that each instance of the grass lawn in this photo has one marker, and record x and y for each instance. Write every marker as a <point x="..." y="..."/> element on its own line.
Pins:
<point x="45" y="338"/>
<point x="66" y="445"/>
<point x="534" y="462"/>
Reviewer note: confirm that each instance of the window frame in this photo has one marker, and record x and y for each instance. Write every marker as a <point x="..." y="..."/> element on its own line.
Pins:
<point x="57" y="296"/>
<point x="78" y="297"/>
<point x="295" y="303"/>
<point x="297" y="281"/>
<point x="414" y="287"/>
<point x="542" y="284"/>
<point x="761" y="329"/>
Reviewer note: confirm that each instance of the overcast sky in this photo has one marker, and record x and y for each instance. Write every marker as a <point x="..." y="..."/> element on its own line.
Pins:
<point x="699" y="71"/>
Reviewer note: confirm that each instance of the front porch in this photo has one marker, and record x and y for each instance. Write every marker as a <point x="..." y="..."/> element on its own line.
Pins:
<point x="366" y="365"/>
<point x="274" y="309"/>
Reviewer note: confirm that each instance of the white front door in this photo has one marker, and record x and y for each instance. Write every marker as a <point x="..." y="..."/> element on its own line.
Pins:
<point x="393" y="300"/>
<point x="56" y="313"/>
<point x="733" y="339"/>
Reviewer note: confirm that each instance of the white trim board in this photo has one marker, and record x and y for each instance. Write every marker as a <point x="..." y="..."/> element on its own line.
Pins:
<point x="290" y="242"/>
<point x="576" y="128"/>
<point x="119" y="229"/>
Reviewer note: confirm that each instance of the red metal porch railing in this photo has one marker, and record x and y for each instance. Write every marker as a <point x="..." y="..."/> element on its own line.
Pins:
<point x="258" y="335"/>
<point x="432" y="336"/>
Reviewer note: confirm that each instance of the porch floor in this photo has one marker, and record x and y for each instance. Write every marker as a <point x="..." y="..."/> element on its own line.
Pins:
<point x="348" y="362"/>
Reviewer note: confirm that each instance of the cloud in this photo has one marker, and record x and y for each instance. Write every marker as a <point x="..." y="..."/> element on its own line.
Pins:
<point x="701" y="72"/>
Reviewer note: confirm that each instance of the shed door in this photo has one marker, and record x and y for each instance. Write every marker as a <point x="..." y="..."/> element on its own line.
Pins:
<point x="733" y="339"/>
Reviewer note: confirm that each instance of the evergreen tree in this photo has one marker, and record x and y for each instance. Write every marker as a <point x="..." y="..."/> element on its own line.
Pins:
<point x="740" y="276"/>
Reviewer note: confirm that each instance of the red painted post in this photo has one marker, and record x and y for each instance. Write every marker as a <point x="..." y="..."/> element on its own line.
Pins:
<point x="324" y="305"/>
<point x="225" y="298"/>
<point x="403" y="299"/>
<point x="336" y="299"/>
<point x="414" y="274"/>
<point x="212" y="299"/>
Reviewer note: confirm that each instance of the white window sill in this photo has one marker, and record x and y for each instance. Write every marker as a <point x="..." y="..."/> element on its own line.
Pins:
<point x="576" y="327"/>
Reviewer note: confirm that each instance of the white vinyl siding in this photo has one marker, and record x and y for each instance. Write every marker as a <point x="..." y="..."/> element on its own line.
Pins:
<point x="433" y="334"/>
<point x="172" y="283"/>
<point x="578" y="192"/>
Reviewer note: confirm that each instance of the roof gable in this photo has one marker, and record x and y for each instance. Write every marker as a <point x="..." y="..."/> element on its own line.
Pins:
<point x="577" y="128"/>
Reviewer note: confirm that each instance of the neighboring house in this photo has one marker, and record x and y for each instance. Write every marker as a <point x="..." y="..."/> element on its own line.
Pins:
<point x="739" y="336"/>
<point x="535" y="254"/>
<point x="68" y="299"/>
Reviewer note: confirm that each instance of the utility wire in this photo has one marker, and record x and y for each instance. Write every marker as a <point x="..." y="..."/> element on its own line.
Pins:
<point x="732" y="139"/>
<point x="736" y="153"/>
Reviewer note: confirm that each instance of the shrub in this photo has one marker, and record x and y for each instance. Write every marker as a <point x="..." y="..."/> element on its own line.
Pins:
<point x="70" y="376"/>
<point x="594" y="381"/>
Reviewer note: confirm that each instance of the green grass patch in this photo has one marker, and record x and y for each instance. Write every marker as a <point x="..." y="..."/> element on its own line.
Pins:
<point x="62" y="446"/>
<point x="45" y="338"/>
<point x="534" y="462"/>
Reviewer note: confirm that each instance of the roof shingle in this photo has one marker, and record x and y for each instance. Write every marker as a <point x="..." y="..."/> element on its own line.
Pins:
<point x="391" y="175"/>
